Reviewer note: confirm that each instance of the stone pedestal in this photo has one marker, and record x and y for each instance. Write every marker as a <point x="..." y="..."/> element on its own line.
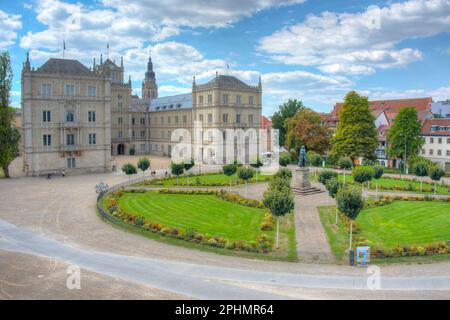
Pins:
<point x="301" y="178"/>
<point x="301" y="184"/>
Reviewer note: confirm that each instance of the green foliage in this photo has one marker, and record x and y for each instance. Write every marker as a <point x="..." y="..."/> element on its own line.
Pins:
<point x="256" y="164"/>
<point x="406" y="131"/>
<point x="188" y="165"/>
<point x="333" y="186"/>
<point x="229" y="169"/>
<point x="286" y="111"/>
<point x="284" y="173"/>
<point x="378" y="172"/>
<point x="345" y="163"/>
<point x="350" y="201"/>
<point x="314" y="159"/>
<point x="368" y="163"/>
<point x="435" y="172"/>
<point x="143" y="164"/>
<point x="362" y="174"/>
<point x="129" y="169"/>
<point x="279" y="184"/>
<point x="326" y="175"/>
<point x="421" y="168"/>
<point x="278" y="202"/>
<point x="285" y="159"/>
<point x="176" y="168"/>
<point x="356" y="135"/>
<point x="9" y="136"/>
<point x="245" y="173"/>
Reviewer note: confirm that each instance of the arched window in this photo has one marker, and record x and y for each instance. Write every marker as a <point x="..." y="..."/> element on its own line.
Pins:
<point x="69" y="116"/>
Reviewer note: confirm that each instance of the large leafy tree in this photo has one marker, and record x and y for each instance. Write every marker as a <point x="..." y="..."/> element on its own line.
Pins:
<point x="9" y="136"/>
<point x="306" y="128"/>
<point x="286" y="111"/>
<point x="405" y="134"/>
<point x="356" y="134"/>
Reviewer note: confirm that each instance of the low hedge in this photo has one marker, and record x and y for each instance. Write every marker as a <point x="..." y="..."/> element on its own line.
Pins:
<point x="195" y="181"/>
<point x="262" y="244"/>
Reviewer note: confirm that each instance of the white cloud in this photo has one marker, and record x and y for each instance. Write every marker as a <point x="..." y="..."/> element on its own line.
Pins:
<point x="9" y="24"/>
<point x="438" y="94"/>
<point x="349" y="42"/>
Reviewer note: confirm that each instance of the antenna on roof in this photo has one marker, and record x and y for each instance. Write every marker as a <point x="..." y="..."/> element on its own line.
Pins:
<point x="64" y="48"/>
<point x="228" y="68"/>
<point x="107" y="50"/>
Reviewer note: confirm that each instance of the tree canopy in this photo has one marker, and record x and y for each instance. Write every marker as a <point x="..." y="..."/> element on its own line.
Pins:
<point x="306" y="128"/>
<point x="286" y="111"/>
<point x="405" y="132"/>
<point x="356" y="134"/>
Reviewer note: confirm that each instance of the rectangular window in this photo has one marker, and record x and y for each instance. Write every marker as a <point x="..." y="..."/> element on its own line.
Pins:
<point x="423" y="151"/>
<point x="238" y="118"/>
<point x="250" y="119"/>
<point x="162" y="120"/>
<point x="238" y="100"/>
<point x="133" y="133"/>
<point x="46" y="116"/>
<point x="169" y="120"/>
<point x="225" y="118"/>
<point x="70" y="163"/>
<point x="143" y="121"/>
<point x="69" y="90"/>
<point x="91" y="116"/>
<point x="47" y="140"/>
<point x="70" y="139"/>
<point x="133" y="121"/>
<point x="142" y="133"/>
<point x="209" y="118"/>
<point x="250" y="100"/>
<point x="200" y="99"/>
<point x="448" y="153"/>
<point x="225" y="99"/>
<point x="431" y="140"/>
<point x="184" y="119"/>
<point x="142" y="148"/>
<point x="439" y="152"/>
<point x="176" y="119"/>
<point x="448" y="140"/>
<point x="92" y="91"/>
<point x="431" y="152"/>
<point x="439" y="140"/>
<point x="209" y="98"/>
<point x="92" y="138"/>
<point x="46" y="90"/>
<point x="120" y="134"/>
<point x="200" y="118"/>
<point x="120" y="120"/>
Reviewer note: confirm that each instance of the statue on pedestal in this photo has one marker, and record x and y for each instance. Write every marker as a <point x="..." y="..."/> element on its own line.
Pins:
<point x="302" y="157"/>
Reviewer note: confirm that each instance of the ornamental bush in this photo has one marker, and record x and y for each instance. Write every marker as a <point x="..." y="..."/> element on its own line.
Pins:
<point x="345" y="163"/>
<point x="284" y="173"/>
<point x="333" y="186"/>
<point x="314" y="159"/>
<point x="326" y="175"/>
<point x="378" y="172"/>
<point x="362" y="174"/>
<point x="284" y="159"/>
<point x="350" y="201"/>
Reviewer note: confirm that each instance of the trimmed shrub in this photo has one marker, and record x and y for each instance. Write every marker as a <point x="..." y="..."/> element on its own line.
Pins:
<point x="345" y="163"/>
<point x="314" y="159"/>
<point x="326" y="175"/>
<point x="362" y="174"/>
<point x="284" y="159"/>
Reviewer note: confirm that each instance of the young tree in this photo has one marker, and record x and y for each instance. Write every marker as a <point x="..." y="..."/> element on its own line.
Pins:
<point x="306" y="128"/>
<point x="245" y="173"/>
<point x="333" y="186"/>
<point x="285" y="159"/>
<point x="378" y="172"/>
<point x="436" y="173"/>
<point x="326" y="175"/>
<point x="421" y="170"/>
<point x="9" y="136"/>
<point x="286" y="111"/>
<point x="356" y="134"/>
<point x="177" y="169"/>
<point x="229" y="170"/>
<point x="257" y="164"/>
<point x="345" y="163"/>
<point x="143" y="164"/>
<point x="129" y="169"/>
<point x="350" y="202"/>
<point x="405" y="135"/>
<point x="279" y="203"/>
<point x="284" y="173"/>
<point x="280" y="184"/>
<point x="314" y="158"/>
<point x="362" y="174"/>
<point x="188" y="166"/>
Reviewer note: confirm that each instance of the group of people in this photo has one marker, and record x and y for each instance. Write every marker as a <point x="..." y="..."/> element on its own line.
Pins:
<point x="50" y="174"/>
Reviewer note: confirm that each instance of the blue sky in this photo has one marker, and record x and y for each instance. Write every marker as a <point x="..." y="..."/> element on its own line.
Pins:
<point x="312" y="50"/>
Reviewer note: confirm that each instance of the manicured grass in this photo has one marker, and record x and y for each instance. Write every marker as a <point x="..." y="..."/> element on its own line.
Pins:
<point x="399" y="223"/>
<point x="406" y="223"/>
<point x="218" y="179"/>
<point x="209" y="215"/>
<point x="205" y="213"/>
<point x="389" y="183"/>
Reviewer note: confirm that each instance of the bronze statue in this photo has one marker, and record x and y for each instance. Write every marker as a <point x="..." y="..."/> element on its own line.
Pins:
<point x="302" y="157"/>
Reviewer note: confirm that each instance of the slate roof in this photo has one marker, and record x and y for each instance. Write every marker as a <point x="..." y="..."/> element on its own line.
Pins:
<point x="225" y="81"/>
<point x="180" y="101"/>
<point x="436" y="127"/>
<point x="65" y="66"/>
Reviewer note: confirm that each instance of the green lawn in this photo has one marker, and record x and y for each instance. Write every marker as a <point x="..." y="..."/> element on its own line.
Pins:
<point x="406" y="223"/>
<point x="209" y="215"/>
<point x="206" y="213"/>
<point x="399" y="223"/>
<point x="389" y="183"/>
<point x="219" y="179"/>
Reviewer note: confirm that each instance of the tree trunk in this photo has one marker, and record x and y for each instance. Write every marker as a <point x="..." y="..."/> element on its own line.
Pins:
<point x="421" y="189"/>
<point x="351" y="231"/>
<point x="6" y="172"/>
<point x="246" y="188"/>
<point x="435" y="187"/>
<point x="336" y="215"/>
<point x="376" y="189"/>
<point x="189" y="180"/>
<point x="230" y="184"/>
<point x="278" y="231"/>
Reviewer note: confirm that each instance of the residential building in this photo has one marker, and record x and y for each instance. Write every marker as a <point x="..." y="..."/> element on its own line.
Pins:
<point x="436" y="133"/>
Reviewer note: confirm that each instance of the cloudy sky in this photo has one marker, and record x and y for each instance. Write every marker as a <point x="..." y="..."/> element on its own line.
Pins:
<point x="313" y="50"/>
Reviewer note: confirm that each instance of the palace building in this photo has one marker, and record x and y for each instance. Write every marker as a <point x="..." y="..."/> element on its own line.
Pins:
<point x="75" y="118"/>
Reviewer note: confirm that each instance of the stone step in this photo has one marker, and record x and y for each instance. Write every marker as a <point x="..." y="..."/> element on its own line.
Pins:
<point x="306" y="191"/>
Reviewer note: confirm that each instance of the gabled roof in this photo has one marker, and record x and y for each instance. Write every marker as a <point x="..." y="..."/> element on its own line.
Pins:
<point x="436" y="127"/>
<point x="180" y="101"/>
<point x="393" y="106"/>
<point x="65" y="66"/>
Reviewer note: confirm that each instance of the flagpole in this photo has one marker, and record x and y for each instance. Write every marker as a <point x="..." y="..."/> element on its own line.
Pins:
<point x="64" y="48"/>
